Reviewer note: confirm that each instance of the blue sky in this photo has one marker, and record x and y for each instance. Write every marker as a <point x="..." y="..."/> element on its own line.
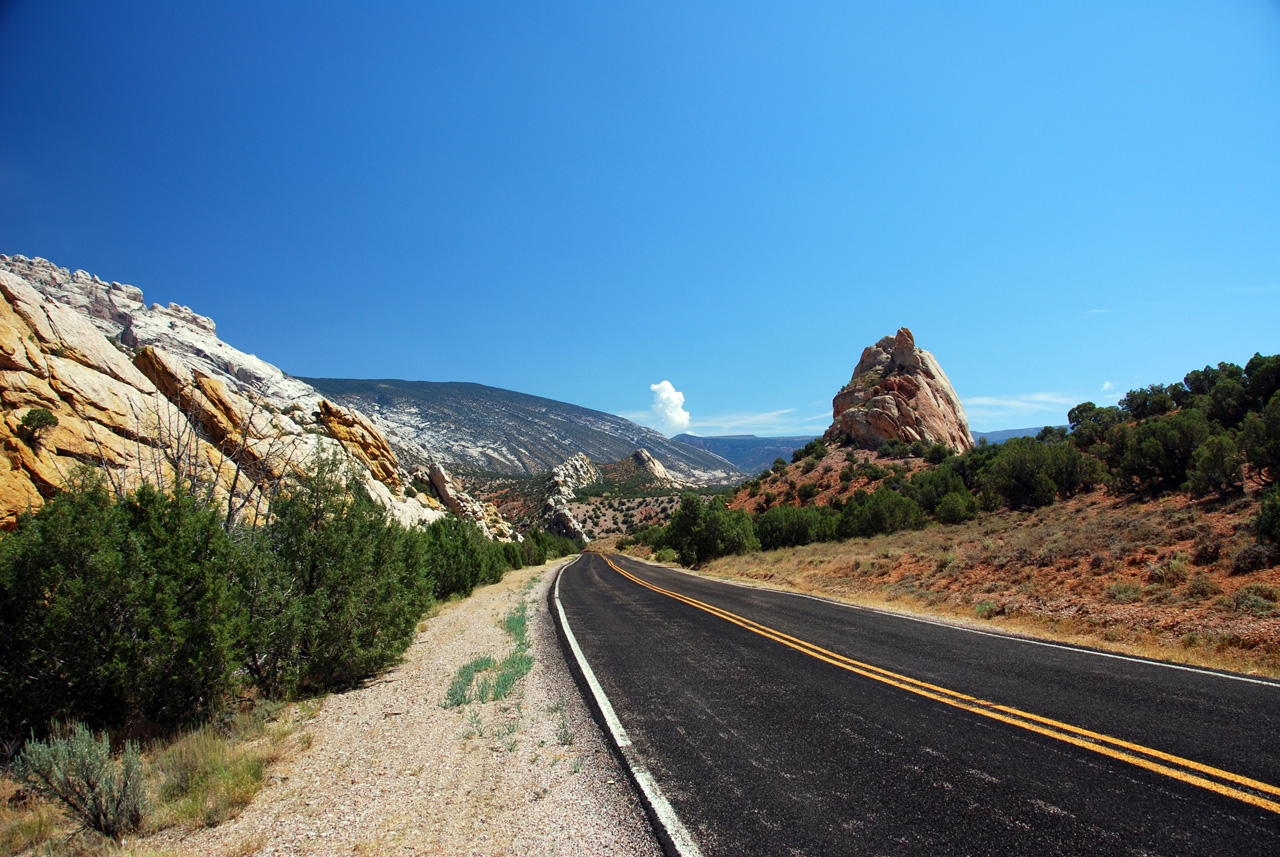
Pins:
<point x="583" y="200"/>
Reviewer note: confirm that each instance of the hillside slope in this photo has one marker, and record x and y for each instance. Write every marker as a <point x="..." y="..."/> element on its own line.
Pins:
<point x="502" y="431"/>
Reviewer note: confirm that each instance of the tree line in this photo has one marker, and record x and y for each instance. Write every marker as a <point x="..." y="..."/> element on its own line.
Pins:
<point x="148" y="611"/>
<point x="1211" y="433"/>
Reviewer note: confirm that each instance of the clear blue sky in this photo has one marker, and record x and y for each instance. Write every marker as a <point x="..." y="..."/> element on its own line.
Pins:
<point x="583" y="200"/>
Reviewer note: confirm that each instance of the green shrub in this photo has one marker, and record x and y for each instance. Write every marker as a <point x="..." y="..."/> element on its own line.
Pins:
<point x="1171" y="573"/>
<point x="986" y="610"/>
<point x="883" y="511"/>
<point x="1124" y="592"/>
<point x="104" y="793"/>
<point x="786" y="526"/>
<point x="956" y="508"/>
<point x="815" y="449"/>
<point x="112" y="613"/>
<point x="1266" y="523"/>
<point x="807" y="492"/>
<point x="894" y="448"/>
<point x="938" y="453"/>
<point x="1202" y="586"/>
<point x="1256" y="598"/>
<point x="34" y="423"/>
<point x="1254" y="557"/>
<point x="666" y="555"/>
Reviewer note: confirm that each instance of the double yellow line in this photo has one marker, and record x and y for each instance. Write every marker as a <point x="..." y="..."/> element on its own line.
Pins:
<point x="1185" y="770"/>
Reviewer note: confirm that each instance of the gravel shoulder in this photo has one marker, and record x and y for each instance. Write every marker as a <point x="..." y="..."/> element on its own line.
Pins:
<point x="391" y="771"/>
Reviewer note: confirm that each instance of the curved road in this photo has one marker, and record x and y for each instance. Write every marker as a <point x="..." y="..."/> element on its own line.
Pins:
<point x="781" y="724"/>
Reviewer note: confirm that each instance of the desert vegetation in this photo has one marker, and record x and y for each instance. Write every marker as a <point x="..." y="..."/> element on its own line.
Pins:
<point x="1159" y="515"/>
<point x="150" y="616"/>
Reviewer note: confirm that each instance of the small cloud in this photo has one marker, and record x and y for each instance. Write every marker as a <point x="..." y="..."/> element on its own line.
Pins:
<point x="1027" y="408"/>
<point x="1107" y="387"/>
<point x="668" y="406"/>
<point x="768" y="422"/>
<point x="1096" y="311"/>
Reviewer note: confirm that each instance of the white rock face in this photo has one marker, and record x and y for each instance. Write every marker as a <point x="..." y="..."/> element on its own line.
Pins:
<point x="83" y="313"/>
<point x="566" y="478"/>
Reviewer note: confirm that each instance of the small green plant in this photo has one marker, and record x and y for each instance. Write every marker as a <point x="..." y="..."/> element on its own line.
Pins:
<point x="986" y="610"/>
<point x="1266" y="523"/>
<point x="104" y="793"/>
<point x="459" y="692"/>
<point x="1124" y="592"/>
<point x="1256" y="598"/>
<point x="563" y="735"/>
<point x="1202" y="586"/>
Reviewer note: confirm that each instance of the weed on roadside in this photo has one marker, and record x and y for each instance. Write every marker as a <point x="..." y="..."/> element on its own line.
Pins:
<point x="485" y="679"/>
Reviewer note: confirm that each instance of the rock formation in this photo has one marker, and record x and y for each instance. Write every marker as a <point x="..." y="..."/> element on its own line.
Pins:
<point x="899" y="391"/>
<point x="654" y="466"/>
<point x="486" y="515"/>
<point x="566" y="478"/>
<point x="141" y="390"/>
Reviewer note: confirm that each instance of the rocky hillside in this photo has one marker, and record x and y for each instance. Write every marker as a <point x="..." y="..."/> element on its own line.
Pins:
<point x="147" y="392"/>
<point x="501" y="431"/>
<point x="747" y="451"/>
<point x="899" y="392"/>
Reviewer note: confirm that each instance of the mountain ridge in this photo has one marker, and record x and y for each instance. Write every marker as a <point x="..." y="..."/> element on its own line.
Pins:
<point x="491" y="429"/>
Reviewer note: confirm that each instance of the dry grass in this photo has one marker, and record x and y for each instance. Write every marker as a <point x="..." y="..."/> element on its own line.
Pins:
<point x="1150" y="579"/>
<point x="200" y="778"/>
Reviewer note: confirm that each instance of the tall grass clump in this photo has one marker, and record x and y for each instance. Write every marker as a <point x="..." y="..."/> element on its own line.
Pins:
<point x="206" y="778"/>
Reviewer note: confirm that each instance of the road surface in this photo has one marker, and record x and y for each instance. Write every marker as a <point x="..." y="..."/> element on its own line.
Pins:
<point x="775" y="724"/>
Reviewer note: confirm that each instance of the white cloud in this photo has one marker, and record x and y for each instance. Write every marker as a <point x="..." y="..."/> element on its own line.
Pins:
<point x="999" y="412"/>
<point x="1107" y="387"/>
<point x="1096" y="311"/>
<point x="668" y="406"/>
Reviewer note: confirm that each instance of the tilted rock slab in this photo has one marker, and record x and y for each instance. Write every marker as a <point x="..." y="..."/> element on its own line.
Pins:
<point x="66" y="343"/>
<point x="565" y="479"/>
<point x="899" y="391"/>
<point x="462" y="504"/>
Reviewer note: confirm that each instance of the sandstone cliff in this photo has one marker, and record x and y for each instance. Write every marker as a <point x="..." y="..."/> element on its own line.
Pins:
<point x="141" y="390"/>
<point x="899" y="391"/>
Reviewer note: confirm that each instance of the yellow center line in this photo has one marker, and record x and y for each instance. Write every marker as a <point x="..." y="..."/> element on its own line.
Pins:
<point x="1097" y="742"/>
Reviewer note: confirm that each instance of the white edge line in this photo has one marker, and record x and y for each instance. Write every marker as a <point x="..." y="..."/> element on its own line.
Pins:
<point x="961" y="627"/>
<point x="662" y="808"/>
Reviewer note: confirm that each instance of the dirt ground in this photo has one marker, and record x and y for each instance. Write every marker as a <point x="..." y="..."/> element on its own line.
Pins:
<point x="389" y="770"/>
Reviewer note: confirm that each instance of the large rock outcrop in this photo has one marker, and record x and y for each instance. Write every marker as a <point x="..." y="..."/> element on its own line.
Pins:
<point x="140" y="391"/>
<point x="899" y="391"/>
<point x="566" y="478"/>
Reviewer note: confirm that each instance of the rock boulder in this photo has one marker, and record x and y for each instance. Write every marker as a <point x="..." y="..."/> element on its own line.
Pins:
<point x="898" y="391"/>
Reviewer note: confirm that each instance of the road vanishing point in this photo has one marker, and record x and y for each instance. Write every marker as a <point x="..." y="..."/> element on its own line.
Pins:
<point x="766" y="722"/>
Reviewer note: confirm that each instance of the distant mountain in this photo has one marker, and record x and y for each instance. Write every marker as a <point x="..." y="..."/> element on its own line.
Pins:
<point x="472" y="426"/>
<point x="1005" y="434"/>
<point x="749" y="452"/>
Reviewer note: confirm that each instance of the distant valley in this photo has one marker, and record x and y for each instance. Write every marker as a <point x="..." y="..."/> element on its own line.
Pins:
<point x="747" y="451"/>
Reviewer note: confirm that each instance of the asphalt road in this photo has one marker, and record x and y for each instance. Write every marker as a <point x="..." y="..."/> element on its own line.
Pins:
<point x="779" y="724"/>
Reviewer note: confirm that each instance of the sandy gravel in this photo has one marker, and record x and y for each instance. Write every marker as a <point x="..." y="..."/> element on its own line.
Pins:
<point x="390" y="771"/>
